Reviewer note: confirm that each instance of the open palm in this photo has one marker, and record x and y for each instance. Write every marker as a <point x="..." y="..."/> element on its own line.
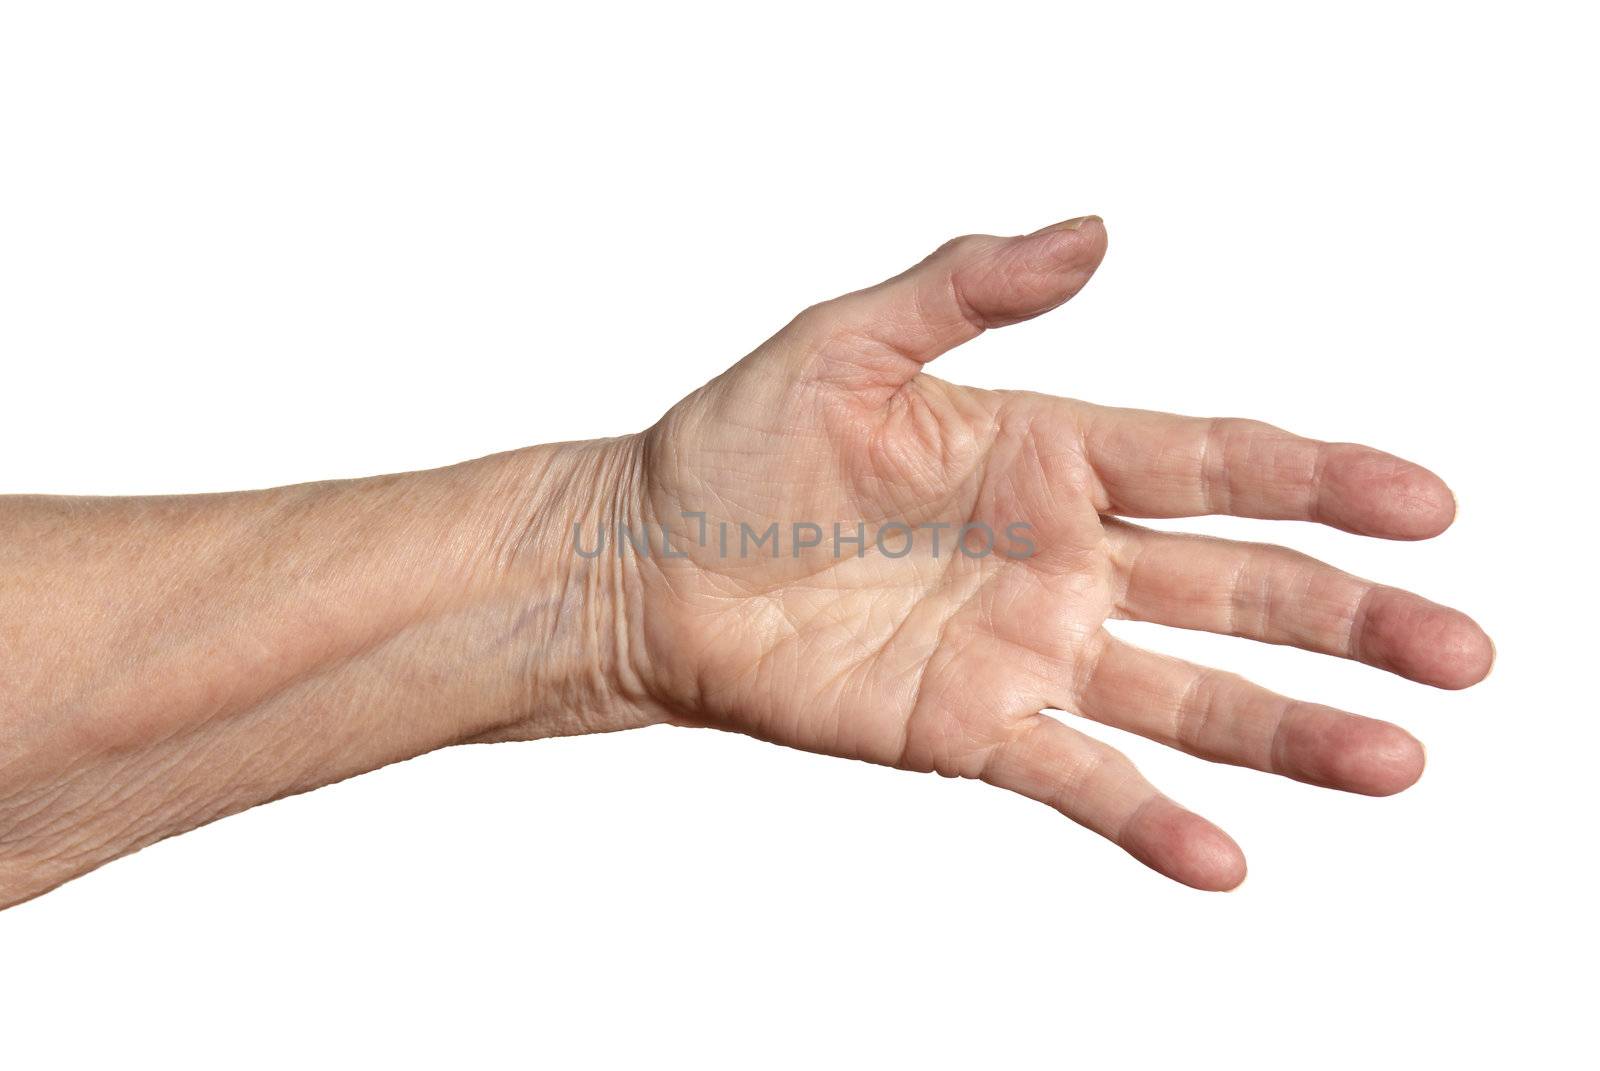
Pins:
<point x="968" y="549"/>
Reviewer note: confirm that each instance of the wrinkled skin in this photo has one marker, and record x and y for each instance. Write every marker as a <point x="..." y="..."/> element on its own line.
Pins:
<point x="168" y="661"/>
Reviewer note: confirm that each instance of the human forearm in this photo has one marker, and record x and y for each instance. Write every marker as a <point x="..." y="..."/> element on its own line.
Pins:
<point x="167" y="661"/>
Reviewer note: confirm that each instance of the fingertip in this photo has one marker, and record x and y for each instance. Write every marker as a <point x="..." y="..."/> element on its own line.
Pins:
<point x="1373" y="493"/>
<point x="1077" y="223"/>
<point x="1327" y="747"/>
<point x="1426" y="642"/>
<point x="1209" y="859"/>
<point x="1185" y="847"/>
<point x="1228" y="870"/>
<point x="1087" y="243"/>
<point x="1462" y="656"/>
<point x="1074" y="244"/>
<point x="1391" y="760"/>
<point x="1430" y="507"/>
<point x="1009" y="280"/>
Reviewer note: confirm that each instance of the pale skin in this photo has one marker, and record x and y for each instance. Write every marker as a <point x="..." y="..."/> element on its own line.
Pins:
<point x="168" y="661"/>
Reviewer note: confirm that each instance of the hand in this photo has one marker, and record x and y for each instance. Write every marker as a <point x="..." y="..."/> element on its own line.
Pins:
<point x="945" y="661"/>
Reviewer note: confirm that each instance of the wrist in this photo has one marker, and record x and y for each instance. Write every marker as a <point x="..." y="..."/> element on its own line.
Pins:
<point x="566" y="614"/>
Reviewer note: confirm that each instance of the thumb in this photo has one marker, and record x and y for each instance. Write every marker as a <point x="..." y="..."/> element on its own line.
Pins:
<point x="882" y="336"/>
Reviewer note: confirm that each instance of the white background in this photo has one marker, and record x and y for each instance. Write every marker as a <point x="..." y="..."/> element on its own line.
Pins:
<point x="249" y="244"/>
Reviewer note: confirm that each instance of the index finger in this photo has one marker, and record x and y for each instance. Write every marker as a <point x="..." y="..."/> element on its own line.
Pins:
<point x="1161" y="465"/>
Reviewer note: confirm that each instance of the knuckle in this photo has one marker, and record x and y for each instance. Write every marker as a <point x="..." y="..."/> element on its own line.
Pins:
<point x="964" y="245"/>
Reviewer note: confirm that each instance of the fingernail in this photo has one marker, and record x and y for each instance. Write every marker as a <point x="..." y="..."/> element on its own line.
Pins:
<point x="1069" y="225"/>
